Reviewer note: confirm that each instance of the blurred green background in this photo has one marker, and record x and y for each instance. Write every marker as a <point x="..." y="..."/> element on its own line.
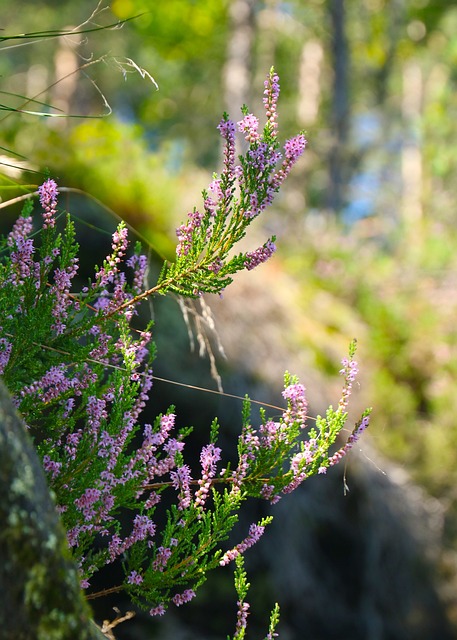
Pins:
<point x="366" y="225"/>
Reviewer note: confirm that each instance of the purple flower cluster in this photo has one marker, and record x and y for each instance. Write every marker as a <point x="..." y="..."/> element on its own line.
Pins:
<point x="134" y="578"/>
<point x="300" y="464"/>
<point x="241" y="619"/>
<point x="111" y="282"/>
<point x="209" y="456"/>
<point x="293" y="149"/>
<point x="249" y="125"/>
<point x="186" y="232"/>
<point x="87" y="501"/>
<point x="213" y="196"/>
<point x="182" y="598"/>
<point x="181" y="479"/>
<point x="295" y="394"/>
<point x="349" y="371"/>
<point x="254" y="258"/>
<point x="51" y="466"/>
<point x="96" y="413"/>
<point x="255" y="533"/>
<point x="22" y="263"/>
<point x="227" y="130"/>
<point x="48" y="193"/>
<point x="21" y="229"/>
<point x="241" y="471"/>
<point x="139" y="263"/>
<point x="270" y="101"/>
<point x="153" y="441"/>
<point x="270" y="436"/>
<point x="61" y="290"/>
<point x="97" y="418"/>
<point x="97" y="457"/>
<point x="53" y="384"/>
<point x="143" y="528"/>
<point x="353" y="438"/>
<point x="240" y="194"/>
<point x="270" y="433"/>
<point x="157" y="611"/>
<point x="5" y="353"/>
<point x="162" y="556"/>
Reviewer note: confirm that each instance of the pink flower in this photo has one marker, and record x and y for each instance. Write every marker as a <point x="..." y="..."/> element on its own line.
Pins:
<point x="249" y="126"/>
<point x="48" y="192"/>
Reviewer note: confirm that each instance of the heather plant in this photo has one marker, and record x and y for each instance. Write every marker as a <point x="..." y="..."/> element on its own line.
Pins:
<point x="81" y="375"/>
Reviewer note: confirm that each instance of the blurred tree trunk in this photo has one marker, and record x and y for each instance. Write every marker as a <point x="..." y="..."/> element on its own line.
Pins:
<point x="39" y="584"/>
<point x="238" y="71"/>
<point x="411" y="161"/>
<point x="309" y="82"/>
<point x="338" y="161"/>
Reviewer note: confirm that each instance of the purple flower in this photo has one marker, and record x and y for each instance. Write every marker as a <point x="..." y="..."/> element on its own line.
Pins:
<point x="241" y="619"/>
<point x="99" y="352"/>
<point x="157" y="611"/>
<point x="118" y="245"/>
<point x="87" y="501"/>
<point x="271" y="434"/>
<point x="48" y="192"/>
<point x="51" y="385"/>
<point x="249" y="126"/>
<point x="349" y="371"/>
<point x="267" y="491"/>
<point x="209" y="456"/>
<point x="61" y="289"/>
<point x="254" y="258"/>
<point x="227" y="130"/>
<point x="21" y="229"/>
<point x="173" y="446"/>
<point x="182" y="598"/>
<point x="299" y="464"/>
<point x="216" y="266"/>
<point x="154" y="498"/>
<point x="162" y="556"/>
<point x="186" y="232"/>
<point x="134" y="578"/>
<point x="140" y="265"/>
<point x="110" y="268"/>
<point x="51" y="466"/>
<point x="143" y="527"/>
<point x="106" y="444"/>
<point x="240" y="473"/>
<point x="355" y="435"/>
<point x="72" y="441"/>
<point x="181" y="479"/>
<point x="255" y="533"/>
<point x="293" y="149"/>
<point x="295" y="394"/>
<point x="213" y="196"/>
<point x="167" y="422"/>
<point x="22" y="262"/>
<point x="5" y="353"/>
<point x="270" y="101"/>
<point x="96" y="412"/>
<point x="73" y="536"/>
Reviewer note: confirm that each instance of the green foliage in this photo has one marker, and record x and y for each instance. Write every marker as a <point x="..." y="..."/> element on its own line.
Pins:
<point x="74" y="369"/>
<point x="81" y="375"/>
